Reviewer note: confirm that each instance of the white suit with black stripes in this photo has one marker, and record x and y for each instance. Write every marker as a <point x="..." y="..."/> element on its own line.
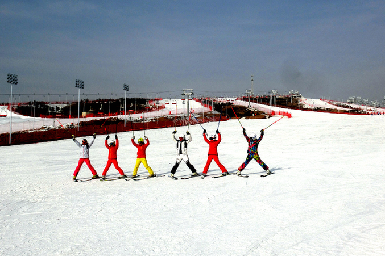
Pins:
<point x="181" y="148"/>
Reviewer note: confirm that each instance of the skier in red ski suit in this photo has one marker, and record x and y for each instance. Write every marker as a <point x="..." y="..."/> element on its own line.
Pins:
<point x="213" y="152"/>
<point x="84" y="156"/>
<point x="113" y="157"/>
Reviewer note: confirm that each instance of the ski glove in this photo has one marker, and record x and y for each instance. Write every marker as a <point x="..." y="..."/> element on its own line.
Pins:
<point x="188" y="133"/>
<point x="217" y="131"/>
<point x="204" y="131"/>
<point x="108" y="136"/>
<point x="174" y="132"/>
<point x="116" y="136"/>
<point x="94" y="135"/>
<point x="262" y="131"/>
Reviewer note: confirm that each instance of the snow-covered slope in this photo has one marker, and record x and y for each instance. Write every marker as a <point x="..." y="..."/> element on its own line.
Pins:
<point x="327" y="196"/>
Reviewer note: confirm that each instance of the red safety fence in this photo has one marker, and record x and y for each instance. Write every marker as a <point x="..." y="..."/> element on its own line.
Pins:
<point x="88" y="128"/>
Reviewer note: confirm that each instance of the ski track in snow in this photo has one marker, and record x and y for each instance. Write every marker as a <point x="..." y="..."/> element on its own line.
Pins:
<point x="327" y="196"/>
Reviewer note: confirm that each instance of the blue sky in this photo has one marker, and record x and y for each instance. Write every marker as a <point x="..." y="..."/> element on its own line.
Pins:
<point x="332" y="49"/>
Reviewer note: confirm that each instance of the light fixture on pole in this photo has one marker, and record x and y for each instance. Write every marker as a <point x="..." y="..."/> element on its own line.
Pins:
<point x="13" y="80"/>
<point x="79" y="85"/>
<point x="125" y="88"/>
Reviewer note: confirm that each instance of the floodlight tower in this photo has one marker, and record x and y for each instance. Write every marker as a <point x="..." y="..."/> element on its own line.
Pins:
<point x="125" y="88"/>
<point x="79" y="85"/>
<point x="13" y="80"/>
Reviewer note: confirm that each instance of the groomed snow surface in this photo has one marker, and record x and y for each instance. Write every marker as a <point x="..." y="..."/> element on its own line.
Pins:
<point x="327" y="196"/>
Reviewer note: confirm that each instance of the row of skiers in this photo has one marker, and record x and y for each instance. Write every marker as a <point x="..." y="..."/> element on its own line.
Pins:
<point x="181" y="147"/>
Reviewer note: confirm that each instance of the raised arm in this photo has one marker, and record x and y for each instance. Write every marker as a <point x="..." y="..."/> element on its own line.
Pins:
<point x="261" y="136"/>
<point x="92" y="142"/>
<point x="133" y="142"/>
<point x="77" y="142"/>
<point x="244" y="134"/>
<point x="219" y="137"/>
<point x="189" y="137"/>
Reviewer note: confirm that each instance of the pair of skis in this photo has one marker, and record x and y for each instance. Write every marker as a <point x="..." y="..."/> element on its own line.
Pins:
<point x="138" y="177"/>
<point x="221" y="176"/>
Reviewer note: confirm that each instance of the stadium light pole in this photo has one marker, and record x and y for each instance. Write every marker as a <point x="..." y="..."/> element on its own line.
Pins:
<point x="125" y="88"/>
<point x="79" y="85"/>
<point x="13" y="80"/>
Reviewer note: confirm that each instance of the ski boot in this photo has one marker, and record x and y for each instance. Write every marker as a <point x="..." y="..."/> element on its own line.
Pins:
<point x="195" y="174"/>
<point x="268" y="172"/>
<point x="103" y="177"/>
<point x="95" y="176"/>
<point x="151" y="175"/>
<point x="74" y="179"/>
<point x="173" y="177"/>
<point x="239" y="173"/>
<point x="122" y="176"/>
<point x="225" y="173"/>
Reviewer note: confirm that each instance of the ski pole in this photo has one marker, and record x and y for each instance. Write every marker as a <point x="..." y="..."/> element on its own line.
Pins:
<point x="176" y="113"/>
<point x="144" y="130"/>
<point x="273" y="123"/>
<point x="220" y="117"/>
<point x="63" y="127"/>
<point x="236" y="117"/>
<point x="197" y="121"/>
<point x="105" y="129"/>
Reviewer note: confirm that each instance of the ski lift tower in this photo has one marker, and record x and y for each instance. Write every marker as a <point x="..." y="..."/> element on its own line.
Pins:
<point x="249" y="92"/>
<point x="79" y="85"/>
<point x="187" y="93"/>
<point x="13" y="80"/>
<point x="252" y="86"/>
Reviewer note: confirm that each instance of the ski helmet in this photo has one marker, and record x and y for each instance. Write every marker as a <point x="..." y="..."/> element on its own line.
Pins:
<point x="253" y="136"/>
<point x="181" y="138"/>
<point x="112" y="143"/>
<point x="213" y="137"/>
<point x="84" y="142"/>
<point x="140" y="140"/>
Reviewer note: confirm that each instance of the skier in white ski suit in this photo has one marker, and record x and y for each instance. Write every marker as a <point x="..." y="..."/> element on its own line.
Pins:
<point x="181" y="148"/>
<point x="84" y="156"/>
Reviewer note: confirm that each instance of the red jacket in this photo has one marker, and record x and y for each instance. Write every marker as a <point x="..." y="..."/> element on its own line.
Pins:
<point x="141" y="148"/>
<point x="112" y="150"/>
<point x="213" y="144"/>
